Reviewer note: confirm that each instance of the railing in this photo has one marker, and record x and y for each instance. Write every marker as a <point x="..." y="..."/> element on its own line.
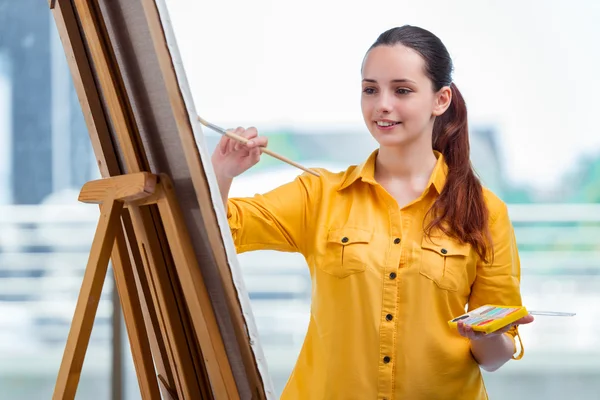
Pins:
<point x="44" y="249"/>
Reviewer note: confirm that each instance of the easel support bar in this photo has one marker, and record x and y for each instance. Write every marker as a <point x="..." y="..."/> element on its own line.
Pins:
<point x="126" y="188"/>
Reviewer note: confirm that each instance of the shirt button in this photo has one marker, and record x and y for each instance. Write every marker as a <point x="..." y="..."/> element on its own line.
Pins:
<point x="393" y="275"/>
<point x="389" y="317"/>
<point x="386" y="359"/>
<point x="344" y="240"/>
<point x="397" y="241"/>
<point x="444" y="251"/>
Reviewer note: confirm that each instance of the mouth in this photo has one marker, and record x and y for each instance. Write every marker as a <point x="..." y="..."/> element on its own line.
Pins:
<point x="387" y="124"/>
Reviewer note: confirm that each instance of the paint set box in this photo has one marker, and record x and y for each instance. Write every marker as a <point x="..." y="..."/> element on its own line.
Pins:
<point x="490" y="318"/>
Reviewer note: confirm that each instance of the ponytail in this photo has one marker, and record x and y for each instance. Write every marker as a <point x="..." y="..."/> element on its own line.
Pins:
<point x="460" y="210"/>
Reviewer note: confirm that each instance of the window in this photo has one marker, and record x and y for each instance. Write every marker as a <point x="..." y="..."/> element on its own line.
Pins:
<point x="294" y="73"/>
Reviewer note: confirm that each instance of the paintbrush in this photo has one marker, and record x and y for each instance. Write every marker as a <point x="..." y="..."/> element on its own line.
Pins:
<point x="242" y="139"/>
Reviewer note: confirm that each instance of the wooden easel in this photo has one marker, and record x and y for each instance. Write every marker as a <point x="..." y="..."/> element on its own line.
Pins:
<point x="114" y="195"/>
<point x="178" y="345"/>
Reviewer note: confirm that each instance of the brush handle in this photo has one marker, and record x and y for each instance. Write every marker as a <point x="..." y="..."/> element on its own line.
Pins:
<point x="552" y="313"/>
<point x="244" y="140"/>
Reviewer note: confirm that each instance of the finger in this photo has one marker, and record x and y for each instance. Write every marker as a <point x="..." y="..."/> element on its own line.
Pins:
<point x="232" y="143"/>
<point x="237" y="145"/>
<point x="461" y="329"/>
<point x="469" y="332"/>
<point x="479" y="335"/>
<point x="259" y="141"/>
<point x="525" y="320"/>
<point x="250" y="133"/>
<point x="255" y="154"/>
<point x="473" y="334"/>
<point x="240" y="132"/>
<point x="502" y="331"/>
<point x="223" y="143"/>
<point x="231" y="146"/>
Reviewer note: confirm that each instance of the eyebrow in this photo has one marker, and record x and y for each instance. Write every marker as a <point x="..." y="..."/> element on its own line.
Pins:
<point x="393" y="81"/>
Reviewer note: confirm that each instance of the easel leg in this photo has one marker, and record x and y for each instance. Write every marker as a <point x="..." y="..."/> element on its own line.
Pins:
<point x="134" y="319"/>
<point x="116" y="373"/>
<point x="87" y="303"/>
<point x="203" y="319"/>
<point x="157" y="344"/>
<point x="164" y="300"/>
<point x="167" y="393"/>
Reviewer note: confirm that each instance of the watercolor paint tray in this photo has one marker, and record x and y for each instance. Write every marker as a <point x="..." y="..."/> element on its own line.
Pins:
<point x="490" y="318"/>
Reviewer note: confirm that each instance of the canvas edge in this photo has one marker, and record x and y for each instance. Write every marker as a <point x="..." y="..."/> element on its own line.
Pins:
<point x="230" y="250"/>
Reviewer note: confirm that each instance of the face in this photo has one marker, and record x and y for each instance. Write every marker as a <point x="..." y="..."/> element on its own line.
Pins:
<point x="398" y="101"/>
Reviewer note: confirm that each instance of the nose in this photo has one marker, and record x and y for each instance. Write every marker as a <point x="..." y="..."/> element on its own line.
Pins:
<point x="384" y="103"/>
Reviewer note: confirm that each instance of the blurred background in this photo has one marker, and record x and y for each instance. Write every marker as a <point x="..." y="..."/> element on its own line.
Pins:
<point x="528" y="71"/>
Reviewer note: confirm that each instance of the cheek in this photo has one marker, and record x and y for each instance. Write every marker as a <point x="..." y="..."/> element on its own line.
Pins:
<point x="366" y="107"/>
<point x="415" y="111"/>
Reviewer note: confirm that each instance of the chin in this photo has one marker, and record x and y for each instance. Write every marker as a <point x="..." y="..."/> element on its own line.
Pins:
<point x="394" y="137"/>
<point x="391" y="139"/>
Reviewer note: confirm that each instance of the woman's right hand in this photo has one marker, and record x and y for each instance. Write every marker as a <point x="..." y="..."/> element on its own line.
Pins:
<point x="231" y="157"/>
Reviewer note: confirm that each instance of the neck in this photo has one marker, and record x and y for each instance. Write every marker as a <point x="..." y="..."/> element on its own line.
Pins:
<point x="404" y="163"/>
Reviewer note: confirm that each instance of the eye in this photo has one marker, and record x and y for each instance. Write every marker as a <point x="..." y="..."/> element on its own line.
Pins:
<point x="403" y="91"/>
<point x="369" y="90"/>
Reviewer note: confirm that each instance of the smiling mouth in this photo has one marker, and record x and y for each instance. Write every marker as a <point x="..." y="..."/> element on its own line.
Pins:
<point x="385" y="124"/>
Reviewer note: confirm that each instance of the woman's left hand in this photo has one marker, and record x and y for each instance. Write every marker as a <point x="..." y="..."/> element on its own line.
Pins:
<point x="468" y="332"/>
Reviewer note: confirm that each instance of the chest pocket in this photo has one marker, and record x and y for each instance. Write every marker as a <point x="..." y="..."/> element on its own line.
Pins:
<point x="444" y="261"/>
<point x="346" y="252"/>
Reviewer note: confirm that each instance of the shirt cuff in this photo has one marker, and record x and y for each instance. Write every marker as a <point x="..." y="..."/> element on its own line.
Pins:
<point x="513" y="333"/>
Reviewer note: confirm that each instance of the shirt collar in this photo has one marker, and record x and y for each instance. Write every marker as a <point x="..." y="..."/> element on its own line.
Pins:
<point x="366" y="172"/>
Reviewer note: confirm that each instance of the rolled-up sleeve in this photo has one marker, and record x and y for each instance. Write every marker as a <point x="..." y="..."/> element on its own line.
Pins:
<point x="281" y="219"/>
<point x="498" y="282"/>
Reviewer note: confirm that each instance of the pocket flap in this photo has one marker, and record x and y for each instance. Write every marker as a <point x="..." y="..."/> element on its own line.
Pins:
<point x="445" y="246"/>
<point x="345" y="236"/>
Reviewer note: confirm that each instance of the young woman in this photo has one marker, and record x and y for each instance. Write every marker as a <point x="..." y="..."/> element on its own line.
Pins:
<point x="396" y="246"/>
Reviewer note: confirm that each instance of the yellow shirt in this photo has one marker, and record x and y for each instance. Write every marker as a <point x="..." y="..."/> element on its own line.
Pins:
<point x="381" y="293"/>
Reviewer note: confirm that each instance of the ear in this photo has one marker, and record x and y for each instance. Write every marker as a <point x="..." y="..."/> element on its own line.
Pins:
<point x="442" y="101"/>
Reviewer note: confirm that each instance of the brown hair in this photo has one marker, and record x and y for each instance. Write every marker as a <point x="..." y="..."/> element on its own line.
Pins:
<point x="460" y="210"/>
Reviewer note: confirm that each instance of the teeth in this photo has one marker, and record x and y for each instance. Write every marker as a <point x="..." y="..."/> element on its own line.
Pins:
<point x="381" y="123"/>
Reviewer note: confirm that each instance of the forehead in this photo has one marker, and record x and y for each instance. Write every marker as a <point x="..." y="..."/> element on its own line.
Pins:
<point x="384" y="63"/>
